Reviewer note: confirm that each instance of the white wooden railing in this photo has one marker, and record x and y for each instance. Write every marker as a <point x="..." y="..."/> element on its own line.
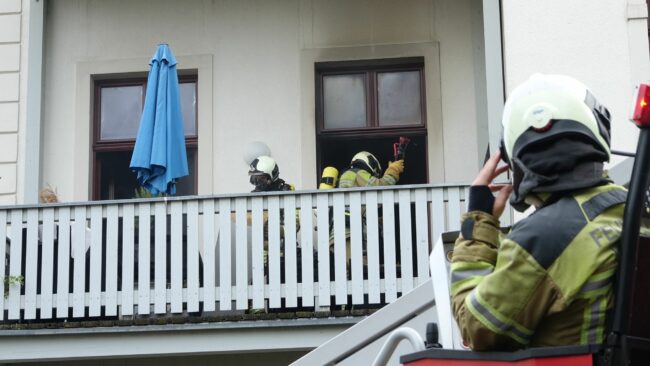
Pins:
<point x="206" y="253"/>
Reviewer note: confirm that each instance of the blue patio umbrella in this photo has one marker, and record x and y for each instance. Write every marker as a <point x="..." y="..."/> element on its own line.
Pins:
<point x="159" y="157"/>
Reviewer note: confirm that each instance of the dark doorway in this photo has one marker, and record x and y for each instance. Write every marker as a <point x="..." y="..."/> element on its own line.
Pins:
<point x="337" y="151"/>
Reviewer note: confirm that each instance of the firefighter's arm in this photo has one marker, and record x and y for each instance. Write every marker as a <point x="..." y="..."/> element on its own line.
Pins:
<point x="391" y="176"/>
<point x="474" y="258"/>
<point x="498" y="309"/>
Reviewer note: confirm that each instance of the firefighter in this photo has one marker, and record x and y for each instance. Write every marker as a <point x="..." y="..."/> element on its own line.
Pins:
<point x="548" y="282"/>
<point x="365" y="171"/>
<point x="265" y="175"/>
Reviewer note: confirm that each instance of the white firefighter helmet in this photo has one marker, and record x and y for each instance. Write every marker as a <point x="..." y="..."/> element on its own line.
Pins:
<point x="543" y="100"/>
<point x="264" y="165"/>
<point x="368" y="161"/>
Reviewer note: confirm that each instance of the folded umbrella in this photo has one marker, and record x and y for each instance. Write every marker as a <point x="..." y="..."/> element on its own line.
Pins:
<point x="159" y="156"/>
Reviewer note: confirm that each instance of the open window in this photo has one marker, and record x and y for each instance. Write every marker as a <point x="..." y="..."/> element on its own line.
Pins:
<point x="117" y="110"/>
<point x="367" y="105"/>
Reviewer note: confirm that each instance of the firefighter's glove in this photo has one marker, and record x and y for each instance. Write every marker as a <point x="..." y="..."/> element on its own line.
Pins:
<point x="395" y="168"/>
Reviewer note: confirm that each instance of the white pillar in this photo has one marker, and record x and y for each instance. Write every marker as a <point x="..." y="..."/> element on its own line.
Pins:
<point x="493" y="70"/>
<point x="33" y="101"/>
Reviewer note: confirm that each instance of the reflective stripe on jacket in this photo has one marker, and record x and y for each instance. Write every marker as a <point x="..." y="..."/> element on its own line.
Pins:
<point x="548" y="282"/>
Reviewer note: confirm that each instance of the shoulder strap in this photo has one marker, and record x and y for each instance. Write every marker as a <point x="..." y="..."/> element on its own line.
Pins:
<point x="602" y="201"/>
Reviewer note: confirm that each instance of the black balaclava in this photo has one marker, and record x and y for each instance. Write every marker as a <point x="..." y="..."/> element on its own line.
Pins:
<point x="561" y="164"/>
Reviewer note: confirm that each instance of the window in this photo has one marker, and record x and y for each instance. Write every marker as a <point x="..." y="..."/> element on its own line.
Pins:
<point x="367" y="105"/>
<point x="118" y="107"/>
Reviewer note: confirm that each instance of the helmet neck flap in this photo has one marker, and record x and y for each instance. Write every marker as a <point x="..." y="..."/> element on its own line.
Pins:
<point x="555" y="163"/>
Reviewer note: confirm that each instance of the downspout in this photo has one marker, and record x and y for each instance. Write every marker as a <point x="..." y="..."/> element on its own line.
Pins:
<point x="34" y="96"/>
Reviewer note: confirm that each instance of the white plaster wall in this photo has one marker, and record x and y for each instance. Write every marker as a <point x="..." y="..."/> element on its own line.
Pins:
<point x="603" y="45"/>
<point x="11" y="18"/>
<point x="256" y="47"/>
<point x="454" y="28"/>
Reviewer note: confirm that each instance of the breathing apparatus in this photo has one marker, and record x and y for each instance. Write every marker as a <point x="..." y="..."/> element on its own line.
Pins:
<point x="329" y="178"/>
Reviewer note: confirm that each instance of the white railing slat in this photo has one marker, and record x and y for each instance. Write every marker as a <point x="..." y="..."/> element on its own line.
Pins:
<point x="209" y="256"/>
<point x="274" y="253"/>
<point x="63" y="264"/>
<point x="307" y="250"/>
<point x="290" y="255"/>
<point x="128" y="237"/>
<point x="388" y="219"/>
<point x="438" y="213"/>
<point x="422" y="234"/>
<point x="453" y="193"/>
<point x="241" y="254"/>
<point x="225" y="263"/>
<point x="79" y="258"/>
<point x="340" y="276"/>
<point x="144" y="255"/>
<point x="356" y="248"/>
<point x="3" y="254"/>
<point x="192" y="260"/>
<point x="15" y="263"/>
<point x="31" y="264"/>
<point x="176" y="257"/>
<point x="111" y="259"/>
<point x="257" y="233"/>
<point x="322" y="216"/>
<point x="160" y="254"/>
<point x="405" y="240"/>
<point x="47" y="263"/>
<point x="95" y="270"/>
<point x="463" y="207"/>
<point x="372" y="247"/>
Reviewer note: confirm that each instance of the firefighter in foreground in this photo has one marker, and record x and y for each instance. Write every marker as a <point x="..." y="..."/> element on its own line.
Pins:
<point x="549" y="281"/>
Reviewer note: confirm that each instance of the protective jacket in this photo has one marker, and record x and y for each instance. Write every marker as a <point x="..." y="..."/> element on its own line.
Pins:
<point x="548" y="282"/>
<point x="357" y="177"/>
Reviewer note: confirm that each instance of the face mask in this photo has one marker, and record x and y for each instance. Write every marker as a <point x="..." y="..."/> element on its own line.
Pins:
<point x="524" y="181"/>
<point x="262" y="182"/>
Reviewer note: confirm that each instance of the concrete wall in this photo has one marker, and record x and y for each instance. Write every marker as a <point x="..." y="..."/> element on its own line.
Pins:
<point x="12" y="18"/>
<point x="255" y="64"/>
<point x="605" y="46"/>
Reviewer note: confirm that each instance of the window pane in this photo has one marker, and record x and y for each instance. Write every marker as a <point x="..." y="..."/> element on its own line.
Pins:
<point x="344" y="99"/>
<point x="121" y="108"/>
<point x="188" y="106"/>
<point x="186" y="186"/>
<point x="399" y="98"/>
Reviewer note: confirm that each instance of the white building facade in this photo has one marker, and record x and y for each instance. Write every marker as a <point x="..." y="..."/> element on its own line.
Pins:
<point x="258" y="71"/>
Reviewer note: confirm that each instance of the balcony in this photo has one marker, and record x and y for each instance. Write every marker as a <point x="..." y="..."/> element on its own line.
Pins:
<point x="178" y="257"/>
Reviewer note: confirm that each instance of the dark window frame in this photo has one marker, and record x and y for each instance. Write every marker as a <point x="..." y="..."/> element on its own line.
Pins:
<point x="370" y="69"/>
<point x="116" y="145"/>
<point x="372" y="129"/>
